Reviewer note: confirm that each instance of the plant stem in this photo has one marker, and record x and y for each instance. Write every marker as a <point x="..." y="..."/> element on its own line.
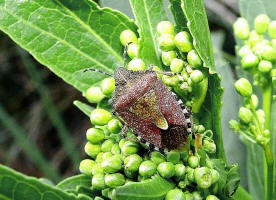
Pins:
<point x="242" y="194"/>
<point x="268" y="155"/>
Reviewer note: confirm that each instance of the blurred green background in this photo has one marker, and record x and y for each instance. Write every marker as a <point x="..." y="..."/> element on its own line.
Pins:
<point x="42" y="133"/>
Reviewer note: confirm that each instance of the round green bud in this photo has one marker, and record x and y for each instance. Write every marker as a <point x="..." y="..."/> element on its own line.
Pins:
<point x="122" y="142"/>
<point x="106" y="155"/>
<point x="165" y="27"/>
<point x="261" y="23"/>
<point x="157" y="157"/>
<point x="197" y="195"/>
<point x="114" y="126"/>
<point x="94" y="94"/>
<point x="111" y="165"/>
<point x="269" y="53"/>
<point x="180" y="171"/>
<point x="255" y="100"/>
<point x="183" y="41"/>
<point x="194" y="59"/>
<point x="147" y="168"/>
<point x="167" y="57"/>
<point x="265" y="66"/>
<point x="267" y="133"/>
<point x="166" y="42"/>
<point x="166" y="169"/>
<point x="132" y="162"/>
<point x="203" y="177"/>
<point x="261" y="116"/>
<point x="212" y="197"/>
<point x="272" y="29"/>
<point x="244" y="51"/>
<point x="209" y="147"/>
<point x="190" y="174"/>
<point x="188" y="196"/>
<point x="193" y="161"/>
<point x="249" y="61"/>
<point x="215" y="175"/>
<point x="108" y="86"/>
<point x="94" y="135"/>
<point x="136" y="64"/>
<point x="132" y="50"/>
<point x="243" y="87"/>
<point x="97" y="169"/>
<point x="92" y="149"/>
<point x="254" y="38"/>
<point x="170" y="80"/>
<point x="107" y="145"/>
<point x="129" y="148"/>
<point x="130" y="174"/>
<point x="86" y="166"/>
<point x="128" y="36"/>
<point x="177" y="65"/>
<point x="245" y="115"/>
<point x="119" y="156"/>
<point x="196" y="76"/>
<point x="175" y="194"/>
<point x="173" y="157"/>
<point x="241" y="28"/>
<point x="98" y="182"/>
<point x="115" y="149"/>
<point x="100" y="117"/>
<point x="114" y="180"/>
<point x="99" y="157"/>
<point x="201" y="129"/>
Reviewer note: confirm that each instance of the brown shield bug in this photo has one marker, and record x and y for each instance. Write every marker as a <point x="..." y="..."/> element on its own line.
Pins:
<point x="155" y="114"/>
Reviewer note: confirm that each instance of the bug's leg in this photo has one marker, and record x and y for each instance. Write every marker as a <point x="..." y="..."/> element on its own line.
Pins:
<point x="125" y="54"/>
<point x="96" y="70"/>
<point x="124" y="131"/>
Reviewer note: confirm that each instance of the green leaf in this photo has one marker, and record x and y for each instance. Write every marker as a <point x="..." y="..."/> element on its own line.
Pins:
<point x="148" y="14"/>
<point x="178" y="15"/>
<point x="71" y="183"/>
<point x="85" y="108"/>
<point x="153" y="189"/>
<point x="67" y="36"/>
<point x="16" y="186"/>
<point x="194" y="11"/>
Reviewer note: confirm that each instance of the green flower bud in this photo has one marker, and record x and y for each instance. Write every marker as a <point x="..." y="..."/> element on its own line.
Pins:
<point x="194" y="59"/>
<point x="132" y="50"/>
<point x="166" y="42"/>
<point x="132" y="162"/>
<point x="173" y="157"/>
<point x="114" y="180"/>
<point x="196" y="76"/>
<point x="254" y="38"/>
<point x="119" y="156"/>
<point x="241" y="28"/>
<point x="261" y="116"/>
<point x="129" y="148"/>
<point x="106" y="155"/>
<point x="147" y="168"/>
<point x="100" y="117"/>
<point x="166" y="169"/>
<point x="197" y="195"/>
<point x="99" y="157"/>
<point x="108" y="86"/>
<point x="107" y="145"/>
<point x="165" y="27"/>
<point x="209" y="147"/>
<point x="86" y="166"/>
<point x="193" y="161"/>
<point x="94" y="135"/>
<point x="115" y="149"/>
<point x="114" y="126"/>
<point x="97" y="169"/>
<point x="249" y="61"/>
<point x="167" y="57"/>
<point x="244" y="51"/>
<point x="215" y="175"/>
<point x="98" y="182"/>
<point x="130" y="174"/>
<point x="122" y="142"/>
<point x="203" y="177"/>
<point x="261" y="23"/>
<point x="243" y="87"/>
<point x="255" y="100"/>
<point x="272" y="29"/>
<point x="177" y="65"/>
<point x="212" y="197"/>
<point x="267" y="133"/>
<point x="136" y="64"/>
<point x="157" y="157"/>
<point x="94" y="94"/>
<point x="170" y="80"/>
<point x="201" y="129"/>
<point x="180" y="171"/>
<point x="92" y="149"/>
<point x="188" y="196"/>
<point x="245" y="115"/>
<point x="183" y="41"/>
<point x="269" y="53"/>
<point x="111" y="165"/>
<point x="175" y="194"/>
<point x="128" y="36"/>
<point x="190" y="174"/>
<point x="265" y="66"/>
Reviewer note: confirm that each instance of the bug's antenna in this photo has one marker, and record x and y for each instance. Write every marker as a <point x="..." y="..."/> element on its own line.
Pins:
<point x="96" y="70"/>
<point x="125" y="53"/>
